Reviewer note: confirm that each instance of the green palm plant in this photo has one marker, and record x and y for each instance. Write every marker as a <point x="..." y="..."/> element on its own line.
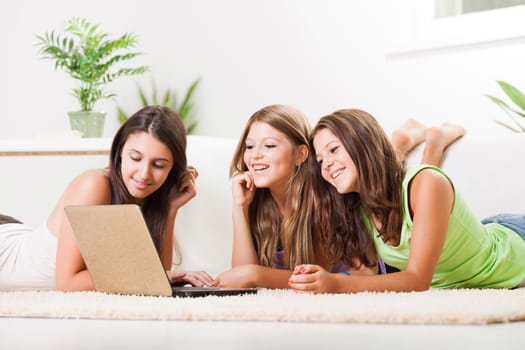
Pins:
<point x="169" y="99"/>
<point x="90" y="57"/>
<point x="518" y="98"/>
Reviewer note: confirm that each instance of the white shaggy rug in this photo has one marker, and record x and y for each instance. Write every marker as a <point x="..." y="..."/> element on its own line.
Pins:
<point x="464" y="306"/>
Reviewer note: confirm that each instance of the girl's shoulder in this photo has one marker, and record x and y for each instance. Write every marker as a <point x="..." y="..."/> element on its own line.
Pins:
<point x="424" y="172"/>
<point x="426" y="182"/>
<point x="90" y="186"/>
<point x="95" y="173"/>
<point x="430" y="177"/>
<point x="430" y="188"/>
<point x="93" y="177"/>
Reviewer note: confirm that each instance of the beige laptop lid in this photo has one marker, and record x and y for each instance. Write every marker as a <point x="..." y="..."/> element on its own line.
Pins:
<point x="118" y="250"/>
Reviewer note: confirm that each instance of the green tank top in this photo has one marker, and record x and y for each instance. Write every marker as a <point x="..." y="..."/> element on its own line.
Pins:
<point x="474" y="255"/>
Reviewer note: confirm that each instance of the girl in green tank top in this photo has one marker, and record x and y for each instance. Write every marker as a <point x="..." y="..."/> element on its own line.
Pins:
<point x="416" y="220"/>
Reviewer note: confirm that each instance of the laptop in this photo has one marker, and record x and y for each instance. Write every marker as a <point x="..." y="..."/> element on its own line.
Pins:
<point x="120" y="255"/>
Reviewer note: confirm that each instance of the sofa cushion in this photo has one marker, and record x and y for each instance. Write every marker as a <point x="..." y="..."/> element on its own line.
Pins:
<point x="203" y="228"/>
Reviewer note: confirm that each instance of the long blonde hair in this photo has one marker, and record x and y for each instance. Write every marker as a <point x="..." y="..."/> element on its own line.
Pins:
<point x="293" y="233"/>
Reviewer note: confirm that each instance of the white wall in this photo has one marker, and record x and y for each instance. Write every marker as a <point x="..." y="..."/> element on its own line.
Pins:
<point x="319" y="55"/>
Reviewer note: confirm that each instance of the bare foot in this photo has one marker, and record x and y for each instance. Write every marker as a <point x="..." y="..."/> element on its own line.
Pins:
<point x="438" y="139"/>
<point x="409" y="135"/>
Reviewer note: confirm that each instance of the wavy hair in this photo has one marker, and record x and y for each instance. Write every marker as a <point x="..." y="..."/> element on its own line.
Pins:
<point x="165" y="125"/>
<point x="345" y="219"/>
<point x="269" y="232"/>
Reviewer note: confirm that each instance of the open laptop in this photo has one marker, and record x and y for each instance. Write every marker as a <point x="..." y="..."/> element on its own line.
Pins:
<point x="120" y="255"/>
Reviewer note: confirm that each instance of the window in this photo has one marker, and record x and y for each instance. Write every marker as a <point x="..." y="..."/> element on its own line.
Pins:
<point x="444" y="8"/>
<point x="445" y="24"/>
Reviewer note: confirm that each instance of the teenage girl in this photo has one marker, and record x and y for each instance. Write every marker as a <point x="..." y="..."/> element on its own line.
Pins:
<point x="147" y="167"/>
<point x="417" y="220"/>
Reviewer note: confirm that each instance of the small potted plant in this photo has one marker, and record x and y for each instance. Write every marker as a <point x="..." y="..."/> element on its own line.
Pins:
<point x="93" y="59"/>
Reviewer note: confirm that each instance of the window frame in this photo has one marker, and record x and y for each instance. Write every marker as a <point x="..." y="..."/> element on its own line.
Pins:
<point x="433" y="33"/>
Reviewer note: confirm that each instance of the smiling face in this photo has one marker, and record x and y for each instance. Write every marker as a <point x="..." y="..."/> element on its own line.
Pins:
<point x="146" y="163"/>
<point x="337" y="168"/>
<point x="269" y="157"/>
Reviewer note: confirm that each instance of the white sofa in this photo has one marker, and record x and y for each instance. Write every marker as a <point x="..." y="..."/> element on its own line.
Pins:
<point x="488" y="169"/>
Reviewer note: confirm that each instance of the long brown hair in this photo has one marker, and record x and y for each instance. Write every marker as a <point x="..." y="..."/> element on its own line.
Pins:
<point x="294" y="232"/>
<point x="166" y="126"/>
<point x="378" y="199"/>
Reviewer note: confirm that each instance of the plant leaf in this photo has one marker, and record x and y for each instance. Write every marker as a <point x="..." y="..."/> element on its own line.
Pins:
<point x="154" y="93"/>
<point x="166" y="99"/>
<point x="190" y="128"/>
<point x="173" y="101"/>
<point x="189" y="93"/>
<point x="514" y="94"/>
<point x="506" y="126"/>
<point x="185" y="111"/>
<point x="122" y="117"/>
<point x="143" y="97"/>
<point x="507" y="109"/>
<point x="504" y="105"/>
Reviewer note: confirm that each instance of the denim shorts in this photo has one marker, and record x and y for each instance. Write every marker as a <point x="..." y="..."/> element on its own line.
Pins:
<point x="513" y="221"/>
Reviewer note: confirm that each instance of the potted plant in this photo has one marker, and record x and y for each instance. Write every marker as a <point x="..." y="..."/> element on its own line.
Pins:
<point x="168" y="99"/>
<point x="93" y="59"/>
<point x="516" y="96"/>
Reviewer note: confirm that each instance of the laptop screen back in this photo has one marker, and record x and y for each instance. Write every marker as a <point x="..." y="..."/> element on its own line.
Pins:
<point x="118" y="250"/>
